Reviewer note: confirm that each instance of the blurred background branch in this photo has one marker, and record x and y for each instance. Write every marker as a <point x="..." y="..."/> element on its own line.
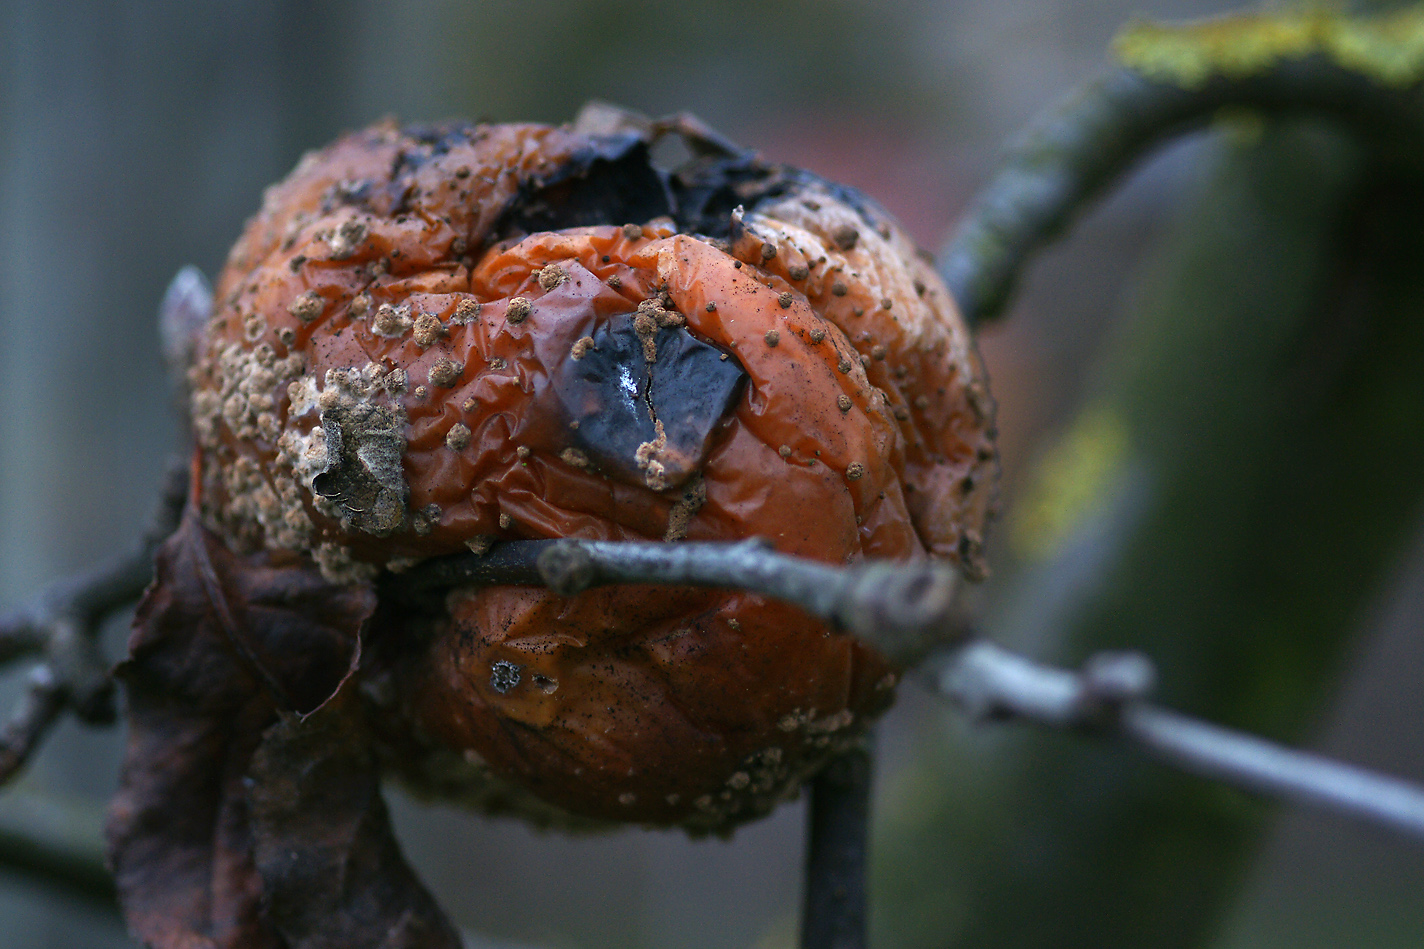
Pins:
<point x="1067" y="157"/>
<point x="62" y="626"/>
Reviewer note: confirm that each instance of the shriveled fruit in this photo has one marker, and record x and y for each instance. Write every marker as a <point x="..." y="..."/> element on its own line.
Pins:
<point x="433" y="339"/>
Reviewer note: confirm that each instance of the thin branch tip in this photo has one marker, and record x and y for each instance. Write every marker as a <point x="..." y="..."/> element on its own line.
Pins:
<point x="1108" y="698"/>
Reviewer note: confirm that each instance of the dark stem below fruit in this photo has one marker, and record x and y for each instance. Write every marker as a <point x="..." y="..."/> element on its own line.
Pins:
<point x="833" y="913"/>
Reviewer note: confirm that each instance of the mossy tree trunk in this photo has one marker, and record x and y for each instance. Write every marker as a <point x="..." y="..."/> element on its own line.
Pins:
<point x="1269" y="395"/>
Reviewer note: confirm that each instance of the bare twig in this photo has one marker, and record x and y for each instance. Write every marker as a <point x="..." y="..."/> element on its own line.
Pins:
<point x="90" y="596"/>
<point x="1107" y="697"/>
<point x="1255" y="764"/>
<point x="32" y="716"/>
<point x="904" y="610"/>
<point x="61" y="626"/>
<point x="1073" y="152"/>
<point x="833" y="913"/>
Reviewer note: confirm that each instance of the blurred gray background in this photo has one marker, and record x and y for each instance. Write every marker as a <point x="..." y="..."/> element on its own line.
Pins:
<point x="137" y="138"/>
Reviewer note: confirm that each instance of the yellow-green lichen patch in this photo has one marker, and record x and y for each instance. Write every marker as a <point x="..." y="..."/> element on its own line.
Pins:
<point x="1388" y="49"/>
<point x="1072" y="481"/>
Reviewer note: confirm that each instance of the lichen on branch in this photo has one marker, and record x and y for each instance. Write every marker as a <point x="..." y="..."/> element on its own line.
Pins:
<point x="1389" y="49"/>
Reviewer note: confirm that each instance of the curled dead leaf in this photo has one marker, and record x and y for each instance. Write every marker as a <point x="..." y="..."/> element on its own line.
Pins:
<point x="227" y="650"/>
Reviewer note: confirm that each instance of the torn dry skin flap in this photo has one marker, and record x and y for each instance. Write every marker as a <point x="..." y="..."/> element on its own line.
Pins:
<point x="647" y="404"/>
<point x="362" y="473"/>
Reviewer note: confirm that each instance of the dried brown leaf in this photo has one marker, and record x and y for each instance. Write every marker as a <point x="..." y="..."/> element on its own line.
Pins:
<point x="334" y="874"/>
<point x="220" y="644"/>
